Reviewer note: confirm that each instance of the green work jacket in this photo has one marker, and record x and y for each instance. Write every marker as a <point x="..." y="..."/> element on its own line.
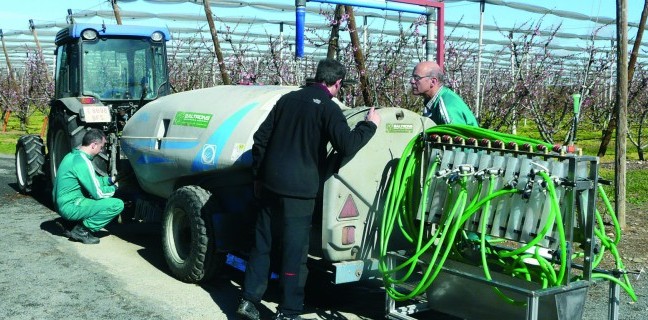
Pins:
<point x="76" y="180"/>
<point x="447" y="107"/>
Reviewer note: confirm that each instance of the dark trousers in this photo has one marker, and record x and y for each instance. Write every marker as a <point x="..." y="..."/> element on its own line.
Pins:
<point x="290" y="219"/>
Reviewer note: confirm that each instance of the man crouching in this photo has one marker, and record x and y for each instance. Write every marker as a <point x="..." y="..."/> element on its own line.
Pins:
<point x="82" y="195"/>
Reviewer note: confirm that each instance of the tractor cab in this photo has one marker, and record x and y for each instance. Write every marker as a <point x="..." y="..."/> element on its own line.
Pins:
<point x="114" y="64"/>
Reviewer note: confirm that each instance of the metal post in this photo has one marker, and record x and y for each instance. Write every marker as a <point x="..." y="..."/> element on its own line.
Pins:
<point x="390" y="304"/>
<point x="577" y="99"/>
<point x="613" y="307"/>
<point x="69" y="18"/>
<point x="300" y="17"/>
<point x="482" y="5"/>
<point x="430" y="37"/>
<point x="364" y="33"/>
<point x="281" y="44"/>
<point x="532" y="308"/>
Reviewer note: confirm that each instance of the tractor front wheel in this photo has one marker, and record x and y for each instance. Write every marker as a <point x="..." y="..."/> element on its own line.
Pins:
<point x="30" y="158"/>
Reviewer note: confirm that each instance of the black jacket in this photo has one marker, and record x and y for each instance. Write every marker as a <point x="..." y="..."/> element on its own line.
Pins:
<point x="290" y="145"/>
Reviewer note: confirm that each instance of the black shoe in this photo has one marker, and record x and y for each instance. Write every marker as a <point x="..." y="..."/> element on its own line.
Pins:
<point x="83" y="234"/>
<point x="282" y="316"/>
<point x="247" y="310"/>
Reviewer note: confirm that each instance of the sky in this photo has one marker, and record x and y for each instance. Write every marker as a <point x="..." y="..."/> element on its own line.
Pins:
<point x="16" y="13"/>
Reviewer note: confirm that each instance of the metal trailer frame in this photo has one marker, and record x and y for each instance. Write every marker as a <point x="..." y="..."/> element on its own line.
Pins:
<point x="461" y="274"/>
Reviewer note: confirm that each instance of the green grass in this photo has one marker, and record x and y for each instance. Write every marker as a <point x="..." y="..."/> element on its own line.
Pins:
<point x="588" y="140"/>
<point x="636" y="185"/>
<point x="9" y="138"/>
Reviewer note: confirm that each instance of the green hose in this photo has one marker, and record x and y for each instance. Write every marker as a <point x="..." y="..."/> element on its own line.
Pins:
<point x="400" y="208"/>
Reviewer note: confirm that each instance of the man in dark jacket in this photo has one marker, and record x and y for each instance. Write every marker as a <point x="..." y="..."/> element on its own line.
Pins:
<point x="288" y="153"/>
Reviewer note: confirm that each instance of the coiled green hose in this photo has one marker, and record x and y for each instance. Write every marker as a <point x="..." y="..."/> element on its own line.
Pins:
<point x="401" y="208"/>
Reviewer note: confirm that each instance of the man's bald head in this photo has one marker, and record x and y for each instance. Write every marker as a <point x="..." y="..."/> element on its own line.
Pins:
<point x="427" y="79"/>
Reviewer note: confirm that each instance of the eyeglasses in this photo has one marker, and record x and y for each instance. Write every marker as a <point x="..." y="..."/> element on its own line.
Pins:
<point x="418" y="78"/>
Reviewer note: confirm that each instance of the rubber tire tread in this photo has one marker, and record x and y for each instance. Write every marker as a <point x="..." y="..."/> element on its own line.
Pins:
<point x="33" y="150"/>
<point x="203" y="260"/>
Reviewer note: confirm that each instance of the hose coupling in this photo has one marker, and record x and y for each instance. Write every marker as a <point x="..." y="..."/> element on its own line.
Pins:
<point x="442" y="173"/>
<point x="466" y="169"/>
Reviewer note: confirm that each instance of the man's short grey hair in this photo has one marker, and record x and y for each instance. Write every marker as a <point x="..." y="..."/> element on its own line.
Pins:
<point x="437" y="73"/>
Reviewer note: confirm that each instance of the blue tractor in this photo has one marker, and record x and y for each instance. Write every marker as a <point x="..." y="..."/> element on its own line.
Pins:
<point x="104" y="74"/>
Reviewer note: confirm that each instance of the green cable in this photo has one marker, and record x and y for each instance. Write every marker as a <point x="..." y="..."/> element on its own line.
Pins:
<point x="399" y="206"/>
<point x="615" y="222"/>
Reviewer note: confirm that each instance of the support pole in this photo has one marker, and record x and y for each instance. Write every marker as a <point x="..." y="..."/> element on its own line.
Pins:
<point x="622" y="112"/>
<point x="430" y="37"/>
<point x="281" y="45"/>
<point x="217" y="48"/>
<point x="300" y="22"/>
<point x="364" y="33"/>
<point x="334" y="38"/>
<point x="41" y="57"/>
<point x="32" y="28"/>
<point x="482" y="6"/>
<point x="7" y="60"/>
<point x="359" y="57"/>
<point x="116" y="11"/>
<point x="69" y="18"/>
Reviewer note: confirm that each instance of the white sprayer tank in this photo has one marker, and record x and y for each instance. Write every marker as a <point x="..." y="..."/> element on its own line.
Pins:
<point x="188" y="133"/>
<point x="207" y="134"/>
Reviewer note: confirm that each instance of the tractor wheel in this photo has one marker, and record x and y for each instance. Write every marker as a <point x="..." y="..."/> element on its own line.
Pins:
<point x="65" y="133"/>
<point x="30" y="157"/>
<point x="188" y="235"/>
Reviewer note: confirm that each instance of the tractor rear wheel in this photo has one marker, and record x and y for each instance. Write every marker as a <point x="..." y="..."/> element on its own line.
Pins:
<point x="188" y="235"/>
<point x="66" y="133"/>
<point x="30" y="158"/>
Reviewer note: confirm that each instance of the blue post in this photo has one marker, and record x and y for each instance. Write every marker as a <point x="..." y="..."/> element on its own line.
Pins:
<point x="300" y="23"/>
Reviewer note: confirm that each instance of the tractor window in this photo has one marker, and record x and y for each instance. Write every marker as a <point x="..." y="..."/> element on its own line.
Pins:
<point x="67" y="71"/>
<point x="122" y="69"/>
<point x="62" y="80"/>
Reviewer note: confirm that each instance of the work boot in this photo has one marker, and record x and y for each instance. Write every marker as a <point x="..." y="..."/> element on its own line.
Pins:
<point x="83" y="234"/>
<point x="281" y="316"/>
<point x="247" y="310"/>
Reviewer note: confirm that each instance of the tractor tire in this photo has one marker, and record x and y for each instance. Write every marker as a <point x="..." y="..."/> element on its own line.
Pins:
<point x="65" y="133"/>
<point x="188" y="235"/>
<point x="30" y="159"/>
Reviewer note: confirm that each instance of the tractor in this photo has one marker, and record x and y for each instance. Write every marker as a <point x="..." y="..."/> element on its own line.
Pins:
<point x="104" y="74"/>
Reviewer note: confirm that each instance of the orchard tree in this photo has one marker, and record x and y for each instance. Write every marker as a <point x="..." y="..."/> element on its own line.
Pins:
<point x="31" y="91"/>
<point x="638" y="110"/>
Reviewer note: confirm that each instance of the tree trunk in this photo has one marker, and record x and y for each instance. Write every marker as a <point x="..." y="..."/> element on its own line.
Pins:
<point x="359" y="57"/>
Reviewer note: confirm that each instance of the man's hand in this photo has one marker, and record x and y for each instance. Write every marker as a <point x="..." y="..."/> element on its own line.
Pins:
<point x="373" y="116"/>
<point x="112" y="180"/>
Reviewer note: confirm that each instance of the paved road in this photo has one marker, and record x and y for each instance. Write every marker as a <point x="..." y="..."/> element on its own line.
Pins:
<point x="43" y="275"/>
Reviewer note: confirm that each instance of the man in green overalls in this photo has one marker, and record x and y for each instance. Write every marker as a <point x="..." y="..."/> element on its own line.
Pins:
<point x="81" y="195"/>
<point x="441" y="104"/>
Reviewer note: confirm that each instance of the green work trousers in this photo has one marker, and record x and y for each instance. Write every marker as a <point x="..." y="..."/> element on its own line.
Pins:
<point x="95" y="214"/>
